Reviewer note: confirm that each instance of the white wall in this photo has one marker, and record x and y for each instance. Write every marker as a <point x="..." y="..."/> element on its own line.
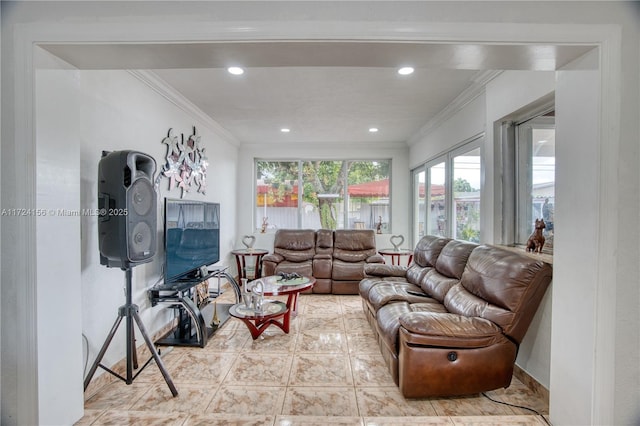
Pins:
<point x="59" y="283"/>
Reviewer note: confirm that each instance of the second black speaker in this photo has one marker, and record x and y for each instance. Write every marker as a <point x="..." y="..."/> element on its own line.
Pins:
<point x="127" y="201"/>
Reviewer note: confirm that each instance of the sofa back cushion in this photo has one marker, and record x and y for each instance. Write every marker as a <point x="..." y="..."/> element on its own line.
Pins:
<point x="501" y="286"/>
<point x="428" y="249"/>
<point x="354" y="245"/>
<point x="448" y="269"/>
<point x="295" y="245"/>
<point x="324" y="241"/>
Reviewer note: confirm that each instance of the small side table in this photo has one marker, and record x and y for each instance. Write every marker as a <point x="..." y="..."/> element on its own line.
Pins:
<point x="395" y="255"/>
<point x="257" y="322"/>
<point x="255" y="256"/>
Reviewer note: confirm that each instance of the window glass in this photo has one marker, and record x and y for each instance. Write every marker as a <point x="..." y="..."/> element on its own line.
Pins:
<point x="466" y="196"/>
<point x="437" y="215"/>
<point x="339" y="194"/>
<point x="323" y="195"/>
<point x="536" y="178"/>
<point x="368" y="192"/>
<point x="276" y="194"/>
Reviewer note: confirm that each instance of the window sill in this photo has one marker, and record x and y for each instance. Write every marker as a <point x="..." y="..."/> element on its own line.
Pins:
<point x="548" y="258"/>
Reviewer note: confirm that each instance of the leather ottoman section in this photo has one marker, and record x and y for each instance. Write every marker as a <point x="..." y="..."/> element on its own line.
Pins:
<point x="438" y="349"/>
<point x="389" y="292"/>
<point x="322" y="286"/>
<point x="345" y="287"/>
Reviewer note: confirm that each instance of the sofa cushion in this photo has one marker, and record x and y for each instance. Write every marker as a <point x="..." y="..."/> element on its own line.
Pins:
<point x="354" y="245"/>
<point x="390" y="291"/>
<point x="295" y="245"/>
<point x="428" y="249"/>
<point x="437" y="285"/>
<point x="453" y="258"/>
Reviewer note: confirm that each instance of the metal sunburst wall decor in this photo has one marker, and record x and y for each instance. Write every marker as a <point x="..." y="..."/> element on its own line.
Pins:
<point x="186" y="164"/>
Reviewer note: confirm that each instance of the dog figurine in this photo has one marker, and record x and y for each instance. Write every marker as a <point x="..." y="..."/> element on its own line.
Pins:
<point x="536" y="240"/>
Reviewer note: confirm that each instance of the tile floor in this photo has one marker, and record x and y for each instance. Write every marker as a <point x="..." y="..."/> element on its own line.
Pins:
<point x="328" y="370"/>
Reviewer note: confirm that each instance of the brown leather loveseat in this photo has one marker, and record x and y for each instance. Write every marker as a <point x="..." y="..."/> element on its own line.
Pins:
<point x="336" y="259"/>
<point x="451" y="322"/>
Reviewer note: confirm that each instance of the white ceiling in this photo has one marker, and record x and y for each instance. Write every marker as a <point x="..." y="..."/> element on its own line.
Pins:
<point x="325" y="92"/>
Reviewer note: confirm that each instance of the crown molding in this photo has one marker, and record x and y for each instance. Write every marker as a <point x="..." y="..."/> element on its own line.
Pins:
<point x="476" y="89"/>
<point x="163" y="88"/>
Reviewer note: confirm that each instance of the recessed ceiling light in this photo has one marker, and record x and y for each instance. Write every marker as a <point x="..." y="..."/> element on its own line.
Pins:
<point x="285" y="130"/>
<point x="235" y="70"/>
<point x="405" y="71"/>
<point x="373" y="129"/>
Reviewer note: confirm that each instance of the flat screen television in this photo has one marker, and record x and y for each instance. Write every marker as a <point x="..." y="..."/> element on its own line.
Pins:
<point x="191" y="238"/>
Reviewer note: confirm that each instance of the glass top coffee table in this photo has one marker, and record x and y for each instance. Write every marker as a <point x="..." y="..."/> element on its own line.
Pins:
<point x="274" y="285"/>
<point x="257" y="322"/>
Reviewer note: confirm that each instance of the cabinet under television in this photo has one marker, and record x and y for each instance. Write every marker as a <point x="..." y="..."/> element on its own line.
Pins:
<point x="193" y="312"/>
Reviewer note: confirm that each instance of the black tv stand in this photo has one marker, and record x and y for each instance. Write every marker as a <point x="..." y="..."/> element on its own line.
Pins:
<point x="195" y="325"/>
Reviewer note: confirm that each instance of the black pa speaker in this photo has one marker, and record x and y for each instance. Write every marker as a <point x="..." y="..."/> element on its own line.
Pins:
<point x="127" y="201"/>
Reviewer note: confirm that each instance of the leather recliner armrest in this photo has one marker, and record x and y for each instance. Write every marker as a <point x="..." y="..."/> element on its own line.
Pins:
<point x="376" y="258"/>
<point x="273" y="257"/>
<point x="382" y="270"/>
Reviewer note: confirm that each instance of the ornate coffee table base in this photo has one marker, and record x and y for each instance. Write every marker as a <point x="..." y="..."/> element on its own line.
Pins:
<point x="258" y="323"/>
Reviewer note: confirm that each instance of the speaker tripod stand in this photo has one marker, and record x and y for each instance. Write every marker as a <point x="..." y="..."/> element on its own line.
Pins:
<point x="130" y="312"/>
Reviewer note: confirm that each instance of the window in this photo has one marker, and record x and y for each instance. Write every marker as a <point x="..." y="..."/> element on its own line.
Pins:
<point x="328" y="194"/>
<point x="446" y="194"/>
<point x="528" y="152"/>
<point x="535" y="172"/>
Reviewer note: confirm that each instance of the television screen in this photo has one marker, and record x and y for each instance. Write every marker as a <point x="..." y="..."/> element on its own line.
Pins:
<point x="191" y="237"/>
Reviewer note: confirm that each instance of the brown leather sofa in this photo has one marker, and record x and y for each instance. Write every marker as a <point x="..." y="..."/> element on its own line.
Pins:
<point x="335" y="258"/>
<point x="450" y="323"/>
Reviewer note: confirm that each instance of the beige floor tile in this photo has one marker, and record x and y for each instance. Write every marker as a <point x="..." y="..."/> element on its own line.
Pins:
<point x="228" y="340"/>
<point x="319" y="341"/>
<point x="140" y="418"/>
<point x="117" y="395"/>
<point x="260" y="369"/>
<point x="370" y="370"/>
<point x="273" y="340"/>
<point x="362" y="342"/>
<point x="320" y="370"/>
<point x="318" y="421"/>
<point x="190" y="397"/>
<point x="247" y="400"/>
<point x="519" y="394"/>
<point x="321" y="322"/>
<point x="227" y="420"/>
<point x="408" y="421"/>
<point x="320" y="401"/>
<point x="469" y="406"/>
<point x="202" y="367"/>
<point x="89" y="417"/>
<point x="388" y="401"/>
<point x="497" y="421"/>
<point x="355" y="323"/>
